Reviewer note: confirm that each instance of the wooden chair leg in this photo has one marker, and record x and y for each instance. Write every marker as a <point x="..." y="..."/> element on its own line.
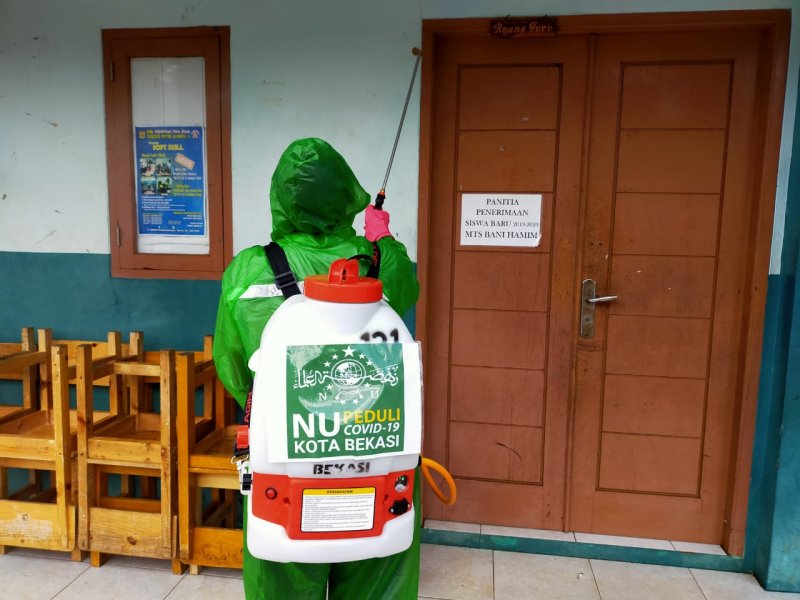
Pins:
<point x="84" y="477"/>
<point x="126" y="486"/>
<point x="36" y="478"/>
<point x="196" y="506"/>
<point x="178" y="567"/>
<point x="77" y="555"/>
<point x="228" y="520"/>
<point x="3" y="483"/>
<point x="98" y="559"/>
<point x="61" y="476"/>
<point x="147" y="488"/>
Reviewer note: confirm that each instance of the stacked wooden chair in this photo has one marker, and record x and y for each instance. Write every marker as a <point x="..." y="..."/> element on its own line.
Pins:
<point x="19" y="394"/>
<point x="41" y="439"/>
<point x="209" y="535"/>
<point x="149" y="474"/>
<point x="25" y="519"/>
<point x="137" y="447"/>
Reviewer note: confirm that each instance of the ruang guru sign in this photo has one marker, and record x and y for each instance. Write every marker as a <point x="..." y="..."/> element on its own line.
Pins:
<point x="512" y="27"/>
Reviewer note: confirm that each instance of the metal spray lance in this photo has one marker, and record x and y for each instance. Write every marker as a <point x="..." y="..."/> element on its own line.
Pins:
<point x="382" y="194"/>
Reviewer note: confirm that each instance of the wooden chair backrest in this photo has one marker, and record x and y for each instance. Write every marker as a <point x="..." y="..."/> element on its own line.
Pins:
<point x="103" y="351"/>
<point x="196" y="371"/>
<point x="22" y="362"/>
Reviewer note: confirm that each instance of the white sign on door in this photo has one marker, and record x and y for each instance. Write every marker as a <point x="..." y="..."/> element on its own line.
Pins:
<point x="501" y="219"/>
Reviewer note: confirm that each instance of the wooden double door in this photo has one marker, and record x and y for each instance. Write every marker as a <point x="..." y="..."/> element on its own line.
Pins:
<point x="647" y="151"/>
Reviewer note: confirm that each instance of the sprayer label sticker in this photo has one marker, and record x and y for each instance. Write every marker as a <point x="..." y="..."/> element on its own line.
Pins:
<point x="344" y="399"/>
<point x="339" y="509"/>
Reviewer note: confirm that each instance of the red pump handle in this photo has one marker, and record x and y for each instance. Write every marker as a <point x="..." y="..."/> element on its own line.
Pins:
<point x="343" y="271"/>
<point x="343" y="284"/>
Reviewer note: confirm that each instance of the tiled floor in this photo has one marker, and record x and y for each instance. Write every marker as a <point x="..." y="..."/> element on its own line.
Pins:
<point x="447" y="573"/>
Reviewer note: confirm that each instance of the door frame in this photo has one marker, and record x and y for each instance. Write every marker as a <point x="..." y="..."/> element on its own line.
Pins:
<point x="774" y="26"/>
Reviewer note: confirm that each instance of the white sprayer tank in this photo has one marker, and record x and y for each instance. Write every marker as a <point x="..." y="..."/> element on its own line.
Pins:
<point x="335" y="426"/>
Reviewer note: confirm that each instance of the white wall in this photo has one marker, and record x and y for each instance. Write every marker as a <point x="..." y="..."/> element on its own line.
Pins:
<point x="332" y="69"/>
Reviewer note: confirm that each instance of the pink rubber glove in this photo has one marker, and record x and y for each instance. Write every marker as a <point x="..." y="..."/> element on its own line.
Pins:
<point x="376" y="224"/>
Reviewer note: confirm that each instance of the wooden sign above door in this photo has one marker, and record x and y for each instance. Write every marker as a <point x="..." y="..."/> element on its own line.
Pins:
<point x="512" y="27"/>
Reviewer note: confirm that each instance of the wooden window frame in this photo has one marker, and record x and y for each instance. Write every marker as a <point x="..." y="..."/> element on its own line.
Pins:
<point x="119" y="47"/>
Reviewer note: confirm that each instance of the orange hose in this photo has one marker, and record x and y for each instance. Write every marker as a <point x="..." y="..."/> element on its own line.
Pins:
<point x="427" y="464"/>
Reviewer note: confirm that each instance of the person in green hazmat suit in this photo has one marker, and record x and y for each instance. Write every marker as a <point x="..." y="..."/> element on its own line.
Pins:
<point x="314" y="198"/>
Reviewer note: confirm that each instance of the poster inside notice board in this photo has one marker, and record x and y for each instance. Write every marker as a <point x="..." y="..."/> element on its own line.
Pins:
<point x="170" y="197"/>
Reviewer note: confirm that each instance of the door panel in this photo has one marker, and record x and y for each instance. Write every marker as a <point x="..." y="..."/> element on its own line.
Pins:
<point x="649" y="463"/>
<point x="663" y="286"/>
<point x="654" y="405"/>
<point x="515" y="98"/>
<point x="508" y="117"/>
<point x="675" y="96"/>
<point x="657" y="346"/>
<point x="523" y="284"/>
<point x="502" y="453"/>
<point x="666" y="224"/>
<point x="670" y="160"/>
<point x="514" y="339"/>
<point x="509" y="161"/>
<point x="517" y="396"/>
<point x="668" y="231"/>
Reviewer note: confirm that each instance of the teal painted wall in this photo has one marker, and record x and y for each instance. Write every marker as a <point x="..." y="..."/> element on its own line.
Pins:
<point x="772" y="388"/>
<point x="772" y="549"/>
<point x="783" y="572"/>
<point x="75" y="296"/>
<point x="773" y="529"/>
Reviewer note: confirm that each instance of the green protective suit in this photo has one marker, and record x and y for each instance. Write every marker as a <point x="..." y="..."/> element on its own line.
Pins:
<point x="314" y="199"/>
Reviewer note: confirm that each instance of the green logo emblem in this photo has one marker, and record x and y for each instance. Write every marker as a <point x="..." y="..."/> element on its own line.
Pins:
<point x="344" y="400"/>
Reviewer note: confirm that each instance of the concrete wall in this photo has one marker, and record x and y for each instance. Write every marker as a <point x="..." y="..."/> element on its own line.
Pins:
<point x="336" y="70"/>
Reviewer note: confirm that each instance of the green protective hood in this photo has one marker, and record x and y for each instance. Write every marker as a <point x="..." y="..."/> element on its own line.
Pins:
<point x="314" y="191"/>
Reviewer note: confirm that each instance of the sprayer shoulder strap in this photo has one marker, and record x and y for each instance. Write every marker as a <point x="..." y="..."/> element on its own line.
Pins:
<point x="285" y="280"/>
<point x="375" y="267"/>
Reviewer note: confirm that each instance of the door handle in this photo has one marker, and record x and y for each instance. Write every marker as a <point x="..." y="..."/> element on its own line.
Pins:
<point x="589" y="299"/>
<point x="601" y="299"/>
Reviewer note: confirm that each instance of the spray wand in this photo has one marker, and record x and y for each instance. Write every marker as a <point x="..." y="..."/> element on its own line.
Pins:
<point x="382" y="194"/>
<point x="427" y="465"/>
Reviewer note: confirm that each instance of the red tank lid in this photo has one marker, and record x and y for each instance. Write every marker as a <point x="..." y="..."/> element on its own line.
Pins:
<point x="343" y="284"/>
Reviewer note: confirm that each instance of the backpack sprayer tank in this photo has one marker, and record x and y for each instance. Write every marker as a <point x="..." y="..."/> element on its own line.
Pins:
<point x="335" y="426"/>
